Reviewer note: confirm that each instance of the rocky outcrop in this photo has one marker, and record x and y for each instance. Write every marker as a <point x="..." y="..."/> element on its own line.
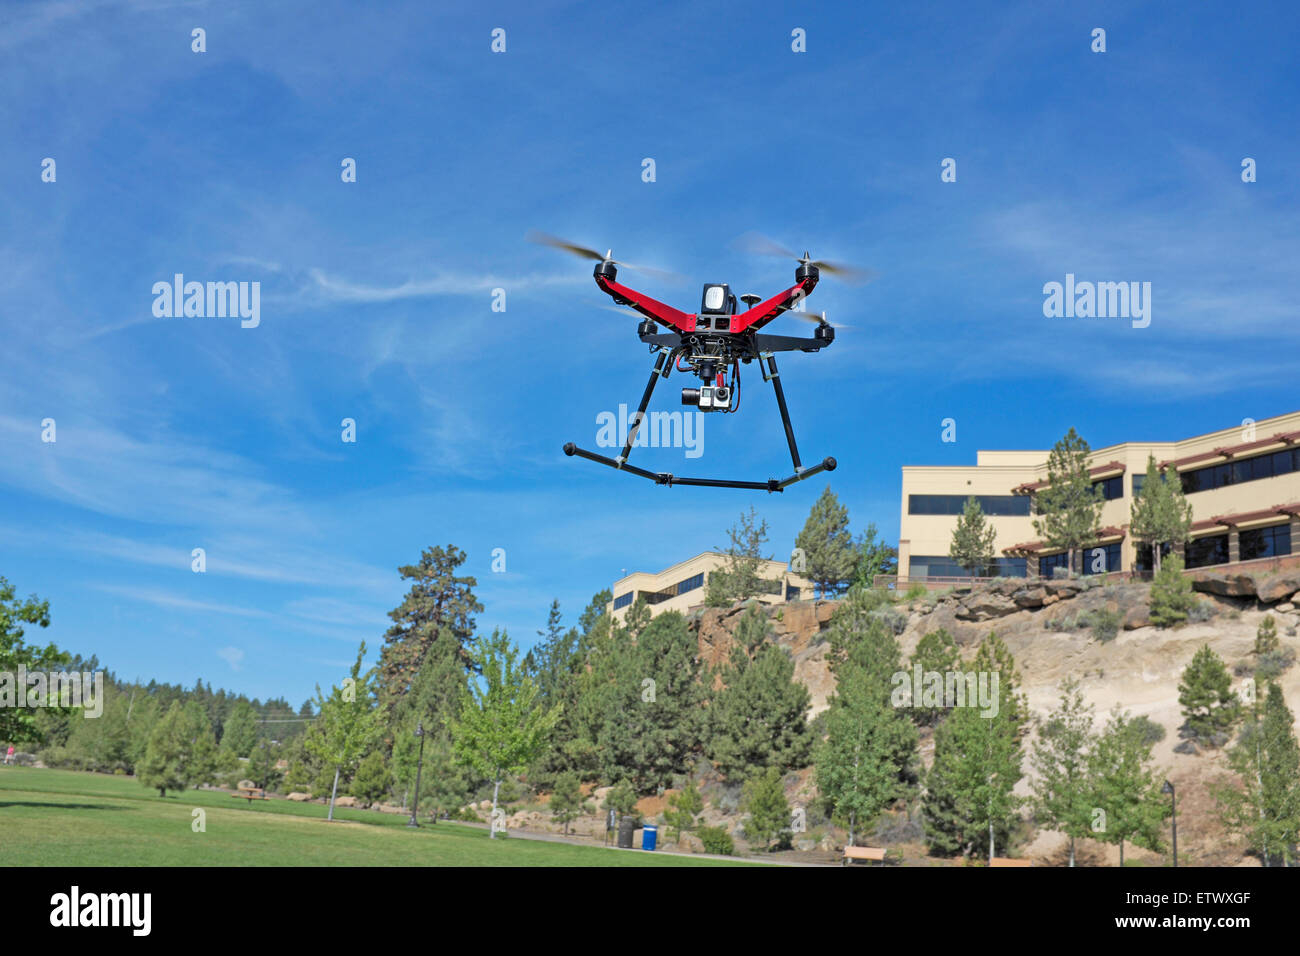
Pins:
<point x="1267" y="588"/>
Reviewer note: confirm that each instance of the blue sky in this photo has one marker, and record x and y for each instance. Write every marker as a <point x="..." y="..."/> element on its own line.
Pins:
<point x="174" y="434"/>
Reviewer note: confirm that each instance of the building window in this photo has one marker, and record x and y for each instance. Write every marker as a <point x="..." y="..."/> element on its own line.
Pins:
<point x="623" y="600"/>
<point x="997" y="505"/>
<point x="791" y="592"/>
<point x="1142" y="561"/>
<point x="1265" y="542"/>
<point x="1212" y="549"/>
<point x="691" y="583"/>
<point x="1111" y="488"/>
<point x="1138" y="482"/>
<point x="1241" y="471"/>
<point x="1098" y="559"/>
<point x="942" y="566"/>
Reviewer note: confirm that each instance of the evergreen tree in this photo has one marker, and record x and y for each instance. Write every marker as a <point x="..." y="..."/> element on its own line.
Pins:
<point x="973" y="539"/>
<point x="1062" y="788"/>
<point x="373" y="779"/>
<point x="199" y="754"/>
<point x="262" y="769"/>
<point x="1068" y="506"/>
<point x="759" y="719"/>
<point x="1205" y="693"/>
<point x="741" y="577"/>
<point x="769" y="812"/>
<point x="1125" y="787"/>
<point x="936" y="653"/>
<point x="553" y="657"/>
<point x="1160" y="515"/>
<point x="827" y="544"/>
<point x="874" y="557"/>
<point x="622" y="800"/>
<point x="501" y="729"/>
<point x="1270" y="659"/>
<point x="239" y="734"/>
<point x="1171" y="594"/>
<point x="348" y="725"/>
<point x="977" y="764"/>
<point x="859" y="632"/>
<point x="163" y="765"/>
<point x="566" y="800"/>
<point x="866" y="763"/>
<point x="653" y="714"/>
<point x="683" y="811"/>
<point x="438" y="608"/>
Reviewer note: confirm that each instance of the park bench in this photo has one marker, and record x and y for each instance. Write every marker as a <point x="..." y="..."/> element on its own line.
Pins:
<point x="1008" y="861"/>
<point x="250" y="794"/>
<point x="870" y="853"/>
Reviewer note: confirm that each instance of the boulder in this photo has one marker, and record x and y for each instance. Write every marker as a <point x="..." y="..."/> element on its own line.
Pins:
<point x="1030" y="597"/>
<point x="297" y="797"/>
<point x="986" y="604"/>
<point x="345" y="802"/>
<point x="1139" y="615"/>
<point x="1225" y="585"/>
<point x="1279" y="587"/>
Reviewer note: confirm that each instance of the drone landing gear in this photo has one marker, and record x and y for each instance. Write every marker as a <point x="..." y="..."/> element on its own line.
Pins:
<point x="662" y="369"/>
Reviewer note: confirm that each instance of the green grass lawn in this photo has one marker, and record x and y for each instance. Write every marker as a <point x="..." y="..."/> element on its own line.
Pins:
<point x="66" y="818"/>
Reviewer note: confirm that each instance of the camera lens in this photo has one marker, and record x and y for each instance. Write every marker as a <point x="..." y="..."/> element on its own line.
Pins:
<point x="690" y="396"/>
<point x="722" y="394"/>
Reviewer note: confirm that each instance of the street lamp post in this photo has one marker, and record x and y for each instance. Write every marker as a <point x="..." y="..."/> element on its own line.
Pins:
<point x="419" y="766"/>
<point x="1173" y="804"/>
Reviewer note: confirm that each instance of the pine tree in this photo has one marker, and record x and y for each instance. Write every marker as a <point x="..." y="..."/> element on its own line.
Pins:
<point x="199" y="761"/>
<point x="163" y="765"/>
<point x="1205" y="693"/>
<point x="373" y="779"/>
<point x="973" y="539"/>
<point x="262" y="766"/>
<point x="439" y="607"/>
<point x="1171" y="594"/>
<point x="970" y="795"/>
<point x="501" y="729"/>
<point x="827" y="545"/>
<point x="683" y="810"/>
<point x="859" y="633"/>
<point x="239" y="734"/>
<point x="566" y="800"/>
<point x="1125" y="788"/>
<point x="936" y="653"/>
<point x="1062" y="797"/>
<point x="866" y="763"/>
<point x="769" y="812"/>
<point x="348" y="725"/>
<point x="874" y="557"/>
<point x="759" y="719"/>
<point x="1266" y="807"/>
<point x="1068" y="506"/>
<point x="1270" y="659"/>
<point x="740" y="578"/>
<point x="1160" y="515"/>
<point x="653" y="713"/>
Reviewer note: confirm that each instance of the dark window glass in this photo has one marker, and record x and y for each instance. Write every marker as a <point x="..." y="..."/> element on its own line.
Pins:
<point x="1143" y="562"/>
<point x="1209" y="550"/>
<point x="691" y="583"/>
<point x="623" y="600"/>
<point x="1111" y="488"/>
<point x="1283" y="462"/>
<point x="1261" y="467"/>
<point x="791" y="593"/>
<point x="942" y="566"/>
<point x="1000" y="505"/>
<point x="1097" y="559"/>
<point x="1138" y="481"/>
<point x="1265" y="542"/>
<point x="1236" y="472"/>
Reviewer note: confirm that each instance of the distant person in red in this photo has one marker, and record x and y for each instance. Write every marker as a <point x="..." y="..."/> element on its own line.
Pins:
<point x="9" y="754"/>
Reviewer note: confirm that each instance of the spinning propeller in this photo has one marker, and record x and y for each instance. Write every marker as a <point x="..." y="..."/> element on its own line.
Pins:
<point x="759" y="244"/>
<point x="583" y="252"/>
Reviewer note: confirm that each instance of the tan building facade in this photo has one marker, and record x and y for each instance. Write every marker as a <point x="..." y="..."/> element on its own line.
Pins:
<point x="1243" y="484"/>
<point x="682" y="586"/>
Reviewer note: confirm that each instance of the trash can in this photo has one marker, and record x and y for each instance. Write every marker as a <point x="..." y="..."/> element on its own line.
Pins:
<point x="626" y="828"/>
<point x="649" y="836"/>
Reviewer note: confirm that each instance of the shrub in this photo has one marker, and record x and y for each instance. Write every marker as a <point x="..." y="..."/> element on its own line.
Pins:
<point x="717" y="840"/>
<point x="1147" y="730"/>
<point x="915" y="591"/>
<point x="1104" y="624"/>
<point x="1200" y="612"/>
<point x="1171" y="594"/>
<point x="894" y="621"/>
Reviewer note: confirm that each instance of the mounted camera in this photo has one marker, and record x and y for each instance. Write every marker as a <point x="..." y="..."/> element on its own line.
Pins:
<point x="708" y="398"/>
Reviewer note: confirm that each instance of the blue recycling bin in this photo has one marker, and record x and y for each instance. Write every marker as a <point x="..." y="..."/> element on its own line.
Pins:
<point x="649" y="836"/>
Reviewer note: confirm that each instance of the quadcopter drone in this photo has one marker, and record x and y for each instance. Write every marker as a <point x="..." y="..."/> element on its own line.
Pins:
<point x="712" y="344"/>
